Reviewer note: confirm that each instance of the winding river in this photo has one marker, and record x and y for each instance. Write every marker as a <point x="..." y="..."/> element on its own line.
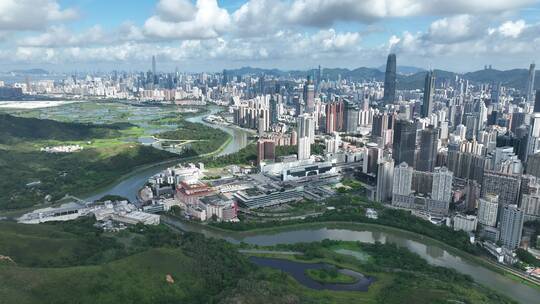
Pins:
<point x="132" y="183"/>
<point x="434" y="252"/>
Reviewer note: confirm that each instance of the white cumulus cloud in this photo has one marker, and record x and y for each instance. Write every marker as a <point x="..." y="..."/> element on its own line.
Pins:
<point x="20" y="15"/>
<point x="208" y="21"/>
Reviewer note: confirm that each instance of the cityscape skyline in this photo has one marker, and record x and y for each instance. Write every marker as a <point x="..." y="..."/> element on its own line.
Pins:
<point x="273" y="151"/>
<point x="210" y="35"/>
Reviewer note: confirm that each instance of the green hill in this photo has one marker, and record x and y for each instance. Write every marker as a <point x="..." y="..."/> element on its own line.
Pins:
<point x="13" y="128"/>
<point x="202" y="270"/>
<point x="414" y="79"/>
<point x="106" y="156"/>
<point x="152" y="264"/>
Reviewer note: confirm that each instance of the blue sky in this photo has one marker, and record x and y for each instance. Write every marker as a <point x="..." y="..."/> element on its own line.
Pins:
<point x="209" y="35"/>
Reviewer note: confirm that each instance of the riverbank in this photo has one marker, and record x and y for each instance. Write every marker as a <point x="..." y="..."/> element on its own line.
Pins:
<point x="436" y="252"/>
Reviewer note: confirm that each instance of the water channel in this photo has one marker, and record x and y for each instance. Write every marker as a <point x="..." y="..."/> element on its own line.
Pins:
<point x="129" y="186"/>
<point x="298" y="272"/>
<point x="434" y="252"/>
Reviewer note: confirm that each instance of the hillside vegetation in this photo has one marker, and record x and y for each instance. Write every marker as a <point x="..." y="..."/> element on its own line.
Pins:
<point x="29" y="176"/>
<point x="73" y="262"/>
<point x="13" y="128"/>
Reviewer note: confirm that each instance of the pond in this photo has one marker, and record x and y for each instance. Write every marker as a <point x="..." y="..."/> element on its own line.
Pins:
<point x="298" y="270"/>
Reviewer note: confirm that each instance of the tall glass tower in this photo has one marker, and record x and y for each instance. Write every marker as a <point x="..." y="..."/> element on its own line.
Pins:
<point x="390" y="80"/>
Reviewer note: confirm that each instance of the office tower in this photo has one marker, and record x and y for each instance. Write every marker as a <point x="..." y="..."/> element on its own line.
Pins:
<point x="385" y="178"/>
<point x="511" y="226"/>
<point x="309" y="95"/>
<point x="441" y="189"/>
<point x="471" y="124"/>
<point x="333" y="110"/>
<point x="488" y="207"/>
<point x="374" y="154"/>
<point x="529" y="94"/>
<point x="427" y="155"/>
<point x="305" y="129"/>
<point x="261" y="125"/>
<point x="351" y="117"/>
<point x="261" y="85"/>
<point x="402" y="182"/>
<point x="537" y="102"/>
<point x="266" y="150"/>
<point x="506" y="186"/>
<point x="495" y="93"/>
<point x="381" y="123"/>
<point x="274" y="112"/>
<point x="154" y="65"/>
<point x="334" y="116"/>
<point x="319" y="80"/>
<point x="518" y="119"/>
<point x="429" y="89"/>
<point x="390" y="80"/>
<point x="404" y="143"/>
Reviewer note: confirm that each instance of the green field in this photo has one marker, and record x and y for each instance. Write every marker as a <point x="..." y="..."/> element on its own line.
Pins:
<point x="329" y="276"/>
<point x="401" y="276"/>
<point x="73" y="262"/>
<point x="110" y="150"/>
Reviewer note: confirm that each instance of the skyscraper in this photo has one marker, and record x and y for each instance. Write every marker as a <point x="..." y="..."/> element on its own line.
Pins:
<point x="334" y="117"/>
<point x="319" y="80"/>
<point x="530" y="83"/>
<point x="487" y="210"/>
<point x="309" y="95"/>
<point x="351" y="117"/>
<point x="154" y="75"/>
<point x="427" y="155"/>
<point x="274" y="112"/>
<point x="305" y="129"/>
<point x="390" y="80"/>
<point x="511" y="226"/>
<point x="385" y="178"/>
<point x="404" y="142"/>
<point x="537" y="102"/>
<point x="381" y="123"/>
<point x="429" y="88"/>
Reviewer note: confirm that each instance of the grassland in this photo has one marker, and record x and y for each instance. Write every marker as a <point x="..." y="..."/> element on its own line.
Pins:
<point x="401" y="276"/>
<point x="330" y="276"/>
<point x="110" y="150"/>
<point x="76" y="263"/>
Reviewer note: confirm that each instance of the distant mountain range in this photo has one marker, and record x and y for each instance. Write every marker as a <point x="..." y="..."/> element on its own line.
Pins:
<point x="404" y="69"/>
<point x="408" y="77"/>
